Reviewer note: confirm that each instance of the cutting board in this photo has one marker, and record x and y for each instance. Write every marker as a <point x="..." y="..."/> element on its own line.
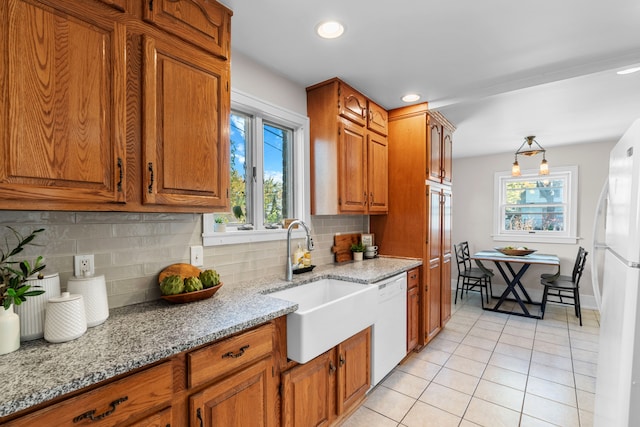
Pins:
<point x="342" y="246"/>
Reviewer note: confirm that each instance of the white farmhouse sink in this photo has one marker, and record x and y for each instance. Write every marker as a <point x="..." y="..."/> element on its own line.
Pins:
<point x="329" y="311"/>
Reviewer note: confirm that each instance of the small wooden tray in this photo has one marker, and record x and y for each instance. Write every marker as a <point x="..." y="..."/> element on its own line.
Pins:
<point x="192" y="296"/>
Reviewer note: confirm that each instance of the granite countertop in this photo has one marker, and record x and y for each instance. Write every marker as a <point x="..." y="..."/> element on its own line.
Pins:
<point x="141" y="334"/>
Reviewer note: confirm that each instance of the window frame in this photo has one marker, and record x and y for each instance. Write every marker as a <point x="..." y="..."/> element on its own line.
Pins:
<point x="568" y="236"/>
<point x="265" y="111"/>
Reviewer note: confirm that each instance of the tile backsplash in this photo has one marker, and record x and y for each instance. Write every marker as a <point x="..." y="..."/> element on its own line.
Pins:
<point x="130" y="249"/>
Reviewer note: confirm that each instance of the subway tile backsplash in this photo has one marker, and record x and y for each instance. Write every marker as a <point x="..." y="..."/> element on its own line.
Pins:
<point x="130" y="249"/>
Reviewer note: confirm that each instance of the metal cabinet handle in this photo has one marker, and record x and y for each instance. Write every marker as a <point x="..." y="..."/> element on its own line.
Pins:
<point x="150" y="188"/>
<point x="233" y="355"/>
<point x="364" y="196"/>
<point x="370" y="198"/>
<point x="121" y="174"/>
<point x="199" y="417"/>
<point x="90" y="414"/>
<point x="332" y="367"/>
<point x="342" y="360"/>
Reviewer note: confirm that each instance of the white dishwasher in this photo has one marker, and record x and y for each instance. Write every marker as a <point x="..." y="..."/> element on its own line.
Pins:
<point x="389" y="342"/>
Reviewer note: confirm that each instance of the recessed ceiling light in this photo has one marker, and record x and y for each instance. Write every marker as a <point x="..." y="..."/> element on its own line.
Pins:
<point x="411" y="97"/>
<point x="629" y="70"/>
<point x="330" y="29"/>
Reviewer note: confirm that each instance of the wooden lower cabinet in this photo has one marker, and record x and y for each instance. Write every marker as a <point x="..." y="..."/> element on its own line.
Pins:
<point x="413" y="308"/>
<point x="137" y="399"/>
<point x="159" y="419"/>
<point x="319" y="392"/>
<point x="243" y="399"/>
<point x="308" y="392"/>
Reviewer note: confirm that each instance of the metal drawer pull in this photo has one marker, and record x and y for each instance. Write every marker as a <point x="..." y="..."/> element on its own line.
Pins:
<point x="89" y="414"/>
<point x="121" y="173"/>
<point x="199" y="417"/>
<point x="235" y="355"/>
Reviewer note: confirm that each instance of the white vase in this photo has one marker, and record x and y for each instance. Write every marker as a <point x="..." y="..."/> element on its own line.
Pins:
<point x="219" y="227"/>
<point x="357" y="256"/>
<point x="9" y="330"/>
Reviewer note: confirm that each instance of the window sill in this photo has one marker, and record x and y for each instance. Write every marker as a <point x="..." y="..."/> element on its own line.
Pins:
<point x="234" y="237"/>
<point x="567" y="240"/>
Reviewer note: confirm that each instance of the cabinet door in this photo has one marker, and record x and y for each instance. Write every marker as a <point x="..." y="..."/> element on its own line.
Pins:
<point x="186" y="121"/>
<point x="434" y="144"/>
<point x="412" y="318"/>
<point x="352" y="104"/>
<point x="159" y="419"/>
<point x="243" y="399"/>
<point x="446" y="256"/>
<point x="204" y="23"/>
<point x="120" y="5"/>
<point x="447" y="153"/>
<point x="433" y="287"/>
<point x="352" y="168"/>
<point x="308" y="396"/>
<point x="62" y="107"/>
<point x="378" y="181"/>
<point x="354" y="369"/>
<point x="377" y="118"/>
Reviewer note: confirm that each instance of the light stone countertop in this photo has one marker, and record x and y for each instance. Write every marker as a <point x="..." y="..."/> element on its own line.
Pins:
<point x="141" y="334"/>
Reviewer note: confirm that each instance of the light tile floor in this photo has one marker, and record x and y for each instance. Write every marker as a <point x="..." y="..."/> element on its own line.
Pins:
<point x="492" y="369"/>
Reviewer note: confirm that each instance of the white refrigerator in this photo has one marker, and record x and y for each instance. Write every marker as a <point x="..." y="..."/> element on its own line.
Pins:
<point x="617" y="400"/>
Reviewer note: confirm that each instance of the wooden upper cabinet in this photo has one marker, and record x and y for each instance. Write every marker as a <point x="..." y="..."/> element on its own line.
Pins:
<point x="353" y="168"/>
<point x="206" y="24"/>
<point x="447" y="153"/>
<point x="378" y="179"/>
<point x="349" y="162"/>
<point x="185" y="126"/>
<point x="352" y="104"/>
<point x="440" y="150"/>
<point x="377" y="118"/>
<point x="62" y="109"/>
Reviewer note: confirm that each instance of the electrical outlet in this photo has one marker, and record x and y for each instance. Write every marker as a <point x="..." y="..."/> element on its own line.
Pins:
<point x="197" y="256"/>
<point x="83" y="265"/>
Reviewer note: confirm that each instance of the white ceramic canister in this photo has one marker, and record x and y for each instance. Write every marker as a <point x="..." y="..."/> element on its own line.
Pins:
<point x="9" y="330"/>
<point x="32" y="310"/>
<point x="65" y="319"/>
<point x="94" y="291"/>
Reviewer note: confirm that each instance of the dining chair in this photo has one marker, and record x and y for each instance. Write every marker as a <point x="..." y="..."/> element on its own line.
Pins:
<point x="565" y="289"/>
<point x="470" y="277"/>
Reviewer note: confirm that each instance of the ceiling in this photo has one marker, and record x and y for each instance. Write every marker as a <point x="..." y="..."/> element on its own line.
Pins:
<point x="499" y="70"/>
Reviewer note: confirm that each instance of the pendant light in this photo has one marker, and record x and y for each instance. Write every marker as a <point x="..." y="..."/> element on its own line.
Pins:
<point x="529" y="149"/>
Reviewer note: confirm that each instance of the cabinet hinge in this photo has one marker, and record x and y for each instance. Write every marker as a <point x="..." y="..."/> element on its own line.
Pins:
<point x="151" y="5"/>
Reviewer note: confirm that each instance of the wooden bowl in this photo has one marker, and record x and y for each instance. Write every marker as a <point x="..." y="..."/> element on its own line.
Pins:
<point x="192" y="296"/>
<point x="515" y="252"/>
<point x="184" y="271"/>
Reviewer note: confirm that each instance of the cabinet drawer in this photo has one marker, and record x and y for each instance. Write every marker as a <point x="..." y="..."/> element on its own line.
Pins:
<point x="114" y="404"/>
<point x="413" y="278"/>
<point x="228" y="355"/>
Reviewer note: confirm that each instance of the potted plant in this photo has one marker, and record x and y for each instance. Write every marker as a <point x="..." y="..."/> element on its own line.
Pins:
<point x="220" y="224"/>
<point x="358" y="250"/>
<point x="13" y="288"/>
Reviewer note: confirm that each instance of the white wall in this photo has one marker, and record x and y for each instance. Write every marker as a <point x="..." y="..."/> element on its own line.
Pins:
<point x="255" y="79"/>
<point x="473" y="206"/>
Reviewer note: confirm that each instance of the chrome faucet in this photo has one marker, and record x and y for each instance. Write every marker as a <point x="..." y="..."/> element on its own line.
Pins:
<point x="309" y="246"/>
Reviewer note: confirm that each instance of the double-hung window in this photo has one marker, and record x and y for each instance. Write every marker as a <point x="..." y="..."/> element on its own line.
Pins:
<point x="536" y="208"/>
<point x="268" y="172"/>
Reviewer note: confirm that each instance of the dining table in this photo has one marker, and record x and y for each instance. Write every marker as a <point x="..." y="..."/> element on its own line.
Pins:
<point x="512" y="268"/>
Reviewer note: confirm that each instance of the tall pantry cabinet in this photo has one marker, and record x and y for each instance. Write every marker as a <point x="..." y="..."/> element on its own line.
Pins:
<point x="418" y="223"/>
